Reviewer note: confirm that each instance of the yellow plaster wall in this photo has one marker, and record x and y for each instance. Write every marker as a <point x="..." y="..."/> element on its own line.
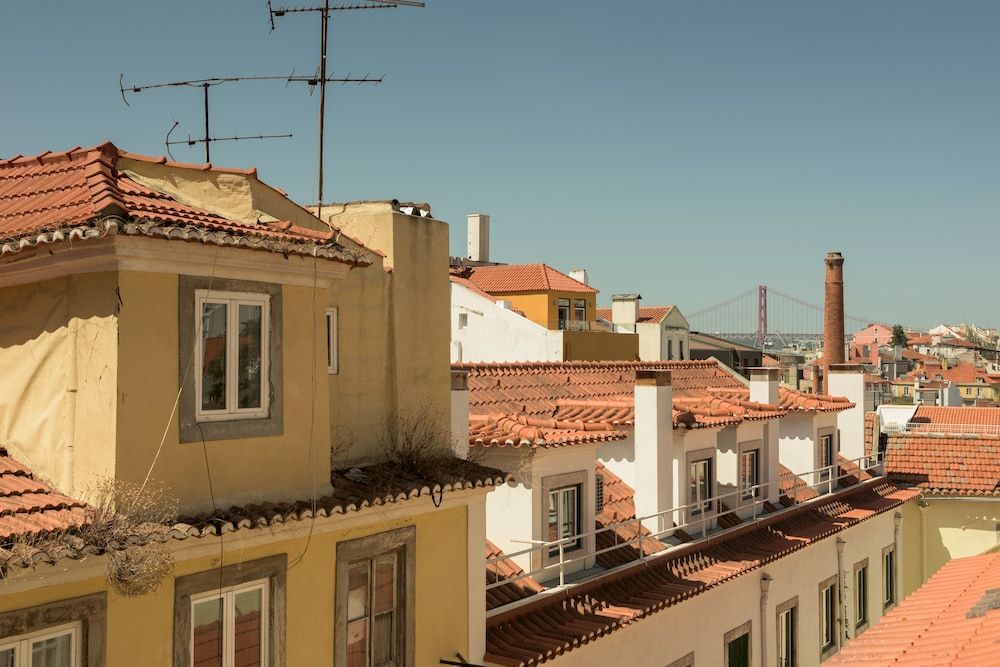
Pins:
<point x="543" y="307"/>
<point x="242" y="470"/>
<point x="140" y="630"/>
<point x="939" y="536"/>
<point x="58" y="361"/>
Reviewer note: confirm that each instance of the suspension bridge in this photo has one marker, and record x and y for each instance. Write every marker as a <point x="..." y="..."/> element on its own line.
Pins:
<point x="765" y="315"/>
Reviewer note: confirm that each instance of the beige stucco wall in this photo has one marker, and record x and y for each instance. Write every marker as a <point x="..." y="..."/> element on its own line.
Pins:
<point x="944" y="529"/>
<point x="600" y="346"/>
<point x="58" y="361"/>
<point x="140" y="630"/>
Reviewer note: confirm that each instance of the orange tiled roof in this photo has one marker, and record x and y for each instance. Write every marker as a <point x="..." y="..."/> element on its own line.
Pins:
<point x="953" y="620"/>
<point x="619" y="505"/>
<point x="80" y="194"/>
<point x="515" y="278"/>
<point x="29" y="506"/>
<point x="552" y="626"/>
<point x="585" y="401"/>
<point x="646" y="313"/>
<point x="523" y="587"/>
<point x="955" y="465"/>
<point x="793" y="400"/>
<point x="964" y="373"/>
<point x="935" y="415"/>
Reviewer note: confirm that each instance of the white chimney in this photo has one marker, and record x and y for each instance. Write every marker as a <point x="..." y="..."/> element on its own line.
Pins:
<point x="479" y="237"/>
<point x="848" y="380"/>
<point x="579" y="275"/>
<point x="460" y="413"/>
<point x="654" y="443"/>
<point x="764" y="384"/>
<point x="625" y="310"/>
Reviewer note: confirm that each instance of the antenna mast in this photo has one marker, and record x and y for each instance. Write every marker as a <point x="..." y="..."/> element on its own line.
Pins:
<point x="324" y="11"/>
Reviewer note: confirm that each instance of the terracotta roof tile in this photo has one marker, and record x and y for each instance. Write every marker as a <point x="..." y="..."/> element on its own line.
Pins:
<point x="554" y="625"/>
<point x="29" y="506"/>
<point x="55" y="197"/>
<point x="520" y="588"/>
<point x="646" y="313"/>
<point x="953" y="620"/>
<point x="619" y="506"/>
<point x="966" y="465"/>
<point x="515" y="278"/>
<point x="954" y="416"/>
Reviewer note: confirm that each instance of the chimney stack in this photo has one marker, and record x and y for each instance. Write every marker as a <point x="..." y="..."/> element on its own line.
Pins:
<point x="580" y="275"/>
<point x="654" y="441"/>
<point x="479" y="237"/>
<point x="833" y="315"/>
<point x="625" y="310"/>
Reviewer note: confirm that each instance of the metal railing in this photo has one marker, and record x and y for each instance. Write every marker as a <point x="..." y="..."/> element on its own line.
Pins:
<point x="948" y="429"/>
<point x="701" y="522"/>
<point x="585" y="325"/>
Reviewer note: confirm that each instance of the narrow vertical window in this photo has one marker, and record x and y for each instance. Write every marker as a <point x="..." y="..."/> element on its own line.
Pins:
<point x="737" y="645"/>
<point x="670" y="348"/>
<point x="860" y="595"/>
<point x="332" y="342"/>
<point x="750" y="474"/>
<point x="580" y="310"/>
<point x="563" y="313"/>
<point x="828" y="617"/>
<point x="372" y="619"/>
<point x="229" y="627"/>
<point x="787" y="637"/>
<point x="888" y="577"/>
<point x="231" y="355"/>
<point x="564" y="517"/>
<point x="700" y="485"/>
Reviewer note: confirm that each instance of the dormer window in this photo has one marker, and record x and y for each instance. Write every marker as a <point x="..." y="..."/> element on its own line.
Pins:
<point x="231" y="357"/>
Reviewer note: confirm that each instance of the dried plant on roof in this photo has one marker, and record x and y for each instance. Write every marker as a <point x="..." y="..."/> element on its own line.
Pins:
<point x="414" y="445"/>
<point x="126" y="521"/>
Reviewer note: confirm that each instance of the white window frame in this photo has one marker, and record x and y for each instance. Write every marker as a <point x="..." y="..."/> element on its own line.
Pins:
<point x="22" y="643"/>
<point x="889" y="566"/>
<point x="233" y="301"/>
<point x="228" y="597"/>
<point x="787" y="614"/>
<point x="333" y="341"/>
<point x="561" y="510"/>
<point x="751" y="450"/>
<point x="700" y="505"/>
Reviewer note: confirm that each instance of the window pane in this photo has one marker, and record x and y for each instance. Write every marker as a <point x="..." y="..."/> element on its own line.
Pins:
<point x="250" y="362"/>
<point x="739" y="652"/>
<point x="384" y="596"/>
<point x="383" y="639"/>
<point x="249" y="628"/>
<point x="357" y="591"/>
<point x="53" y="652"/>
<point x="569" y="512"/>
<point x="357" y="643"/>
<point x="206" y="624"/>
<point x="213" y="360"/>
<point x="7" y="657"/>
<point x="553" y="527"/>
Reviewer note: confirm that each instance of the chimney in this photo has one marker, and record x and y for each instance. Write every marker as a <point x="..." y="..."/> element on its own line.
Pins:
<point x="479" y="237"/>
<point x="833" y="315"/>
<point x="654" y="440"/>
<point x="848" y="380"/>
<point x="625" y="310"/>
<point x="764" y="383"/>
<point x="460" y="413"/>
<point x="579" y="275"/>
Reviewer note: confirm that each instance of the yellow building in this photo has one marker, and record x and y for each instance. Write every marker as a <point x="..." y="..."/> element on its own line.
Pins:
<point x="191" y="329"/>
<point x="556" y="302"/>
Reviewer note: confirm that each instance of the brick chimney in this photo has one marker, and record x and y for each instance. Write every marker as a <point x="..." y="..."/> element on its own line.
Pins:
<point x="833" y="315"/>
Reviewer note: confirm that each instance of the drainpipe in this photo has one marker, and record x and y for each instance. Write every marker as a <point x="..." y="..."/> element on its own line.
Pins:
<point x="897" y="520"/>
<point x="922" y="504"/>
<point x="765" y="583"/>
<point x="842" y="620"/>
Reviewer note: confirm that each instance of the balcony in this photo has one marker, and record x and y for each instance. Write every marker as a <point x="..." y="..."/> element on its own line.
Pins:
<point x="585" y="325"/>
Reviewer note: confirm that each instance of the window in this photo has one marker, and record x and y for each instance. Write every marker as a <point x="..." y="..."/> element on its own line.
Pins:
<point x="906" y="391"/>
<point x="737" y="645"/>
<point x="563" y="517"/>
<point x="888" y="577"/>
<point x="579" y="310"/>
<point x="788" y="633"/>
<point x="700" y="485"/>
<point x="828" y="617"/>
<point x="670" y="348"/>
<point x="861" y="594"/>
<point x="827" y="454"/>
<point x="231" y="355"/>
<point x="463" y="320"/>
<point x="53" y="647"/>
<point x="750" y="474"/>
<point x="65" y="633"/>
<point x="333" y="341"/>
<point x="686" y="661"/>
<point x="680" y="349"/>
<point x="229" y="626"/>
<point x="231" y="617"/>
<point x="563" y="314"/>
<point x="375" y="593"/>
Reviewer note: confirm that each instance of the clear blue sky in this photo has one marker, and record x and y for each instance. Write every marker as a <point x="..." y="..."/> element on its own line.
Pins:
<point x="683" y="150"/>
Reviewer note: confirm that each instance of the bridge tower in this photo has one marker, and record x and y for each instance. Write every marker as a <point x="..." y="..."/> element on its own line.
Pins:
<point x="761" y="315"/>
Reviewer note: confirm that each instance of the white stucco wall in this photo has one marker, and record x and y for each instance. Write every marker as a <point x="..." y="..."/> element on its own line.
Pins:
<point x="699" y="624"/>
<point x="494" y="333"/>
<point x="619" y="458"/>
<point x="797" y="442"/>
<point x="850" y="422"/>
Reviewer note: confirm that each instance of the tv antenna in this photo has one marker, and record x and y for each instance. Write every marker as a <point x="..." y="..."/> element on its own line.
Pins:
<point x="324" y="10"/>
<point x="205" y="84"/>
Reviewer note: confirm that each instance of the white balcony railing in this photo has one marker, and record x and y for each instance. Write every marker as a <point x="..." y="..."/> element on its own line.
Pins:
<point x="699" y="524"/>
<point x="948" y="429"/>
